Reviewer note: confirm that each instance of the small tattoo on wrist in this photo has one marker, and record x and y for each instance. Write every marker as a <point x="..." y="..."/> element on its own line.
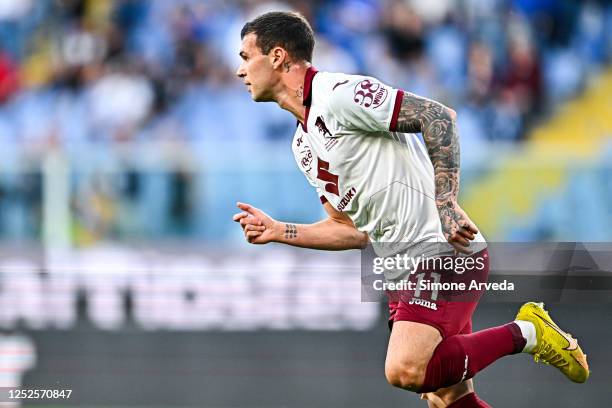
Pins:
<point x="290" y="231"/>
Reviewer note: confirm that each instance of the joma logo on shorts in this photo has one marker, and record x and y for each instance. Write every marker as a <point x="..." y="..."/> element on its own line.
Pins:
<point x="424" y="303"/>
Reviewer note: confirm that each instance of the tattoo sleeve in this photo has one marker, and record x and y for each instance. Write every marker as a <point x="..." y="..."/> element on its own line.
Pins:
<point x="436" y="123"/>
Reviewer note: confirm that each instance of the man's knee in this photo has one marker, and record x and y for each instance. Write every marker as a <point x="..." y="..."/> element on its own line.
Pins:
<point x="408" y="376"/>
<point x="411" y="345"/>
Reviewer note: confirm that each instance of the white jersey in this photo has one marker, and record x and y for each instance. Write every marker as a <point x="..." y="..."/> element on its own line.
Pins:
<point x="349" y="151"/>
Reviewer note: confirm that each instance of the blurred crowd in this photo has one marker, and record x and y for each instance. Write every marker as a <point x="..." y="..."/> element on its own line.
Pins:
<point x="118" y="69"/>
<point x="114" y="71"/>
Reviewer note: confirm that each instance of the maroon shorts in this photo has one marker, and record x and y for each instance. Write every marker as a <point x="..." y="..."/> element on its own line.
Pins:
<point x="448" y="311"/>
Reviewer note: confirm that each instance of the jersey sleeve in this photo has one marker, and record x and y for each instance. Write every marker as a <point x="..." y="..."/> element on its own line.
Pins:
<point x="365" y="103"/>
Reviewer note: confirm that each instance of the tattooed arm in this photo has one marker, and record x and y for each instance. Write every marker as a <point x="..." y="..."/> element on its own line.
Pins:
<point x="437" y="123"/>
<point x="334" y="233"/>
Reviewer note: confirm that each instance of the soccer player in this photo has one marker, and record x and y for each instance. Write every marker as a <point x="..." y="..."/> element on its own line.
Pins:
<point x="378" y="182"/>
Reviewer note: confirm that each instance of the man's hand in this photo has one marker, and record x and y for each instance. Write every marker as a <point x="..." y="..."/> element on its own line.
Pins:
<point x="334" y="233"/>
<point x="456" y="225"/>
<point x="258" y="227"/>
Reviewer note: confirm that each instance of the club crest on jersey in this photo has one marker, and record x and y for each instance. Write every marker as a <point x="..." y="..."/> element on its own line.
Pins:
<point x="306" y="158"/>
<point x="305" y="154"/>
<point x="346" y="200"/>
<point x="320" y="124"/>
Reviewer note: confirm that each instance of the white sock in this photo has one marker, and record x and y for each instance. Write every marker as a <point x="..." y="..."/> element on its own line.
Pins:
<point x="529" y="333"/>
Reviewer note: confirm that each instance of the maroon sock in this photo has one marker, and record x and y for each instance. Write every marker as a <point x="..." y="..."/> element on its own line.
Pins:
<point x="470" y="400"/>
<point x="460" y="357"/>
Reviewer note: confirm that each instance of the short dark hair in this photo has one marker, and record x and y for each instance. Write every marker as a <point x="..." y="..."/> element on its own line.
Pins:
<point x="289" y="30"/>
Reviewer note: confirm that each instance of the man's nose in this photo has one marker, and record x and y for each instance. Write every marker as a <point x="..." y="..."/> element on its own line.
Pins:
<point x="240" y="72"/>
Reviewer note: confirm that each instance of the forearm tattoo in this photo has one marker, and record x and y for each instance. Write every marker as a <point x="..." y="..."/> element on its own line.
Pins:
<point x="290" y="231"/>
<point x="437" y="125"/>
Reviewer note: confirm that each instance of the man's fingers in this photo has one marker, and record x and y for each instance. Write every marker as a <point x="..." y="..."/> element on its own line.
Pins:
<point x="469" y="226"/>
<point x="466" y="233"/>
<point x="461" y="249"/>
<point x="455" y="237"/>
<point x="252" y="235"/>
<point x="239" y="216"/>
<point x="463" y="221"/>
<point x="458" y="239"/>
<point x="460" y="243"/>
<point x="460" y="232"/>
<point x="251" y="227"/>
<point x="245" y="207"/>
<point x="250" y="220"/>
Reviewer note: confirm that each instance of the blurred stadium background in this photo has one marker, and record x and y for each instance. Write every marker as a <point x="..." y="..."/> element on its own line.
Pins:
<point x="126" y="141"/>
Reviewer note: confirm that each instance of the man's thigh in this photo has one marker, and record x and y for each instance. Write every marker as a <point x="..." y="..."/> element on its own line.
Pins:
<point x="411" y="345"/>
<point x="450" y="312"/>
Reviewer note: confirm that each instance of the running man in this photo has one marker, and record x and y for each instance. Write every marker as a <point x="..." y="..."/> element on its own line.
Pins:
<point x="378" y="182"/>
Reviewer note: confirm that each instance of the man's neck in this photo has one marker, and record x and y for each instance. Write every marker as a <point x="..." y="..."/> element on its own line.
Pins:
<point x="290" y="96"/>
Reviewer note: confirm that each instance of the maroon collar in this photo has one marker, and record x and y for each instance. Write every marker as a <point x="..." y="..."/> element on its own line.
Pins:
<point x="310" y="73"/>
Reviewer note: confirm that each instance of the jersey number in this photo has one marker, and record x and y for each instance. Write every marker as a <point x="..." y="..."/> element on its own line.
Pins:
<point x="325" y="175"/>
<point x="435" y="278"/>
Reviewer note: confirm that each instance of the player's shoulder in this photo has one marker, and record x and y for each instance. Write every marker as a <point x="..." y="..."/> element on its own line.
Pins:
<point x="328" y="83"/>
<point x="338" y="91"/>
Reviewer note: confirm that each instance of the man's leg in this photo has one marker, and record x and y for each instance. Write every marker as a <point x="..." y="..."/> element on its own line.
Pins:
<point x="446" y="396"/>
<point x="533" y="332"/>
<point x="461" y="356"/>
<point x="460" y="395"/>
<point x="411" y="346"/>
<point x="419" y="360"/>
<point x="432" y="349"/>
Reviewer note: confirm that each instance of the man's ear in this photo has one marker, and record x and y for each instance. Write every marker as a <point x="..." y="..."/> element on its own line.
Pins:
<point x="277" y="56"/>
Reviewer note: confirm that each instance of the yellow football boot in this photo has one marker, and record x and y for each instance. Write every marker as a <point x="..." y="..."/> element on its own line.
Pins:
<point x="554" y="346"/>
